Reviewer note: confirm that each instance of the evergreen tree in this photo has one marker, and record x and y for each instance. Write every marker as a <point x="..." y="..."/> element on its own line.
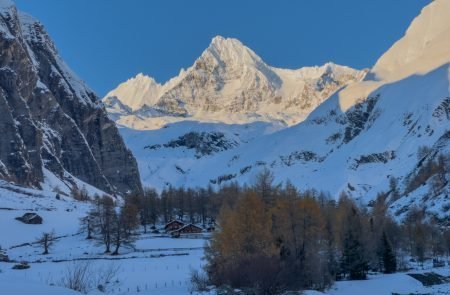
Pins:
<point x="354" y="262"/>
<point x="150" y="210"/>
<point x="387" y="256"/>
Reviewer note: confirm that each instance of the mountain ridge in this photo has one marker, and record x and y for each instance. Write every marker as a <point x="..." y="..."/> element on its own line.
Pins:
<point x="230" y="78"/>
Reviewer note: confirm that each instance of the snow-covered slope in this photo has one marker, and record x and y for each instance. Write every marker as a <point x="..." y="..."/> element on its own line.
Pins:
<point x="356" y="141"/>
<point x="381" y="284"/>
<point x="158" y="265"/>
<point x="356" y="151"/>
<point x="423" y="48"/>
<point x="228" y="83"/>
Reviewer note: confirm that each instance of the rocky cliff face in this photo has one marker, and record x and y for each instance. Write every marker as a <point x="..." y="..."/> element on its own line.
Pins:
<point x="51" y="122"/>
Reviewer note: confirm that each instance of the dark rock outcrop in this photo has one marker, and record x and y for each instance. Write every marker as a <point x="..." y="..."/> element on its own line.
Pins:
<point x="204" y="143"/>
<point x="50" y="119"/>
<point x="357" y="117"/>
<point x="21" y="266"/>
<point x="30" y="218"/>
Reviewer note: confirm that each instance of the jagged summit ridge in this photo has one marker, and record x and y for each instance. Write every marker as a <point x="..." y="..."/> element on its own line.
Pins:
<point x="230" y="82"/>
<point x="231" y="50"/>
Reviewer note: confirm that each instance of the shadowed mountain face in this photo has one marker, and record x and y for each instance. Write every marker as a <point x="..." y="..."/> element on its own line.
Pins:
<point x="52" y="124"/>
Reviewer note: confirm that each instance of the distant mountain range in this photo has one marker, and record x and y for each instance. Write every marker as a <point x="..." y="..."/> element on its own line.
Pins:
<point x="228" y="83"/>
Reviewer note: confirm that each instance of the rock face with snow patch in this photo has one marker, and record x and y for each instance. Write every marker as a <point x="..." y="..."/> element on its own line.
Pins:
<point x="30" y="218"/>
<point x="51" y="122"/>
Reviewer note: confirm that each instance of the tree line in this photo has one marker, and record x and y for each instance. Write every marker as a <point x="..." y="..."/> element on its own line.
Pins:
<point x="276" y="238"/>
<point x="115" y="223"/>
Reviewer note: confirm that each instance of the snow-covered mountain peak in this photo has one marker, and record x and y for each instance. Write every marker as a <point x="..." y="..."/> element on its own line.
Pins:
<point x="221" y="44"/>
<point x="232" y="54"/>
<point x="231" y="50"/>
<point x="6" y="4"/>
<point x="424" y="47"/>
<point x="316" y="72"/>
<point x="136" y="92"/>
<point x="144" y="78"/>
<point x="229" y="79"/>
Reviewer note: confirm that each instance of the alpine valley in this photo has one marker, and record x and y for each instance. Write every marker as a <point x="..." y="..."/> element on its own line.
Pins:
<point x="231" y="115"/>
<point x="234" y="177"/>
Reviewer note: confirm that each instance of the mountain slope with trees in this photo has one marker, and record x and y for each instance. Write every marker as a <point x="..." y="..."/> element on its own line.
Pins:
<point x="392" y="127"/>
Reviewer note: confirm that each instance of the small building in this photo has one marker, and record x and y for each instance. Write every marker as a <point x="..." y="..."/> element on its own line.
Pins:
<point x="188" y="230"/>
<point x="173" y="225"/>
<point x="438" y="263"/>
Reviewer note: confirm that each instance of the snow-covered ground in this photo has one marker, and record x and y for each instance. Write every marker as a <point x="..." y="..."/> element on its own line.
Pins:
<point x="398" y="283"/>
<point x="159" y="265"/>
<point x="157" y="163"/>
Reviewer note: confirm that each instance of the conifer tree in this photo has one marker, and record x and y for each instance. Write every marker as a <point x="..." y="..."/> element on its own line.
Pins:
<point x="354" y="262"/>
<point x="387" y="255"/>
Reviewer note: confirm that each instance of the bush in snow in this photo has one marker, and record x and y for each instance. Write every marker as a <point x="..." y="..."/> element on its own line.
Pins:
<point x="83" y="277"/>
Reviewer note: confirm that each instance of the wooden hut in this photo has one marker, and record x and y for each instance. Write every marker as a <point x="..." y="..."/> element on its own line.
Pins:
<point x="173" y="225"/>
<point x="187" y="230"/>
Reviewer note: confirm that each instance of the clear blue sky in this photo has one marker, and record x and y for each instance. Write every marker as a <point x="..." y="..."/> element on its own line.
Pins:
<point x="109" y="41"/>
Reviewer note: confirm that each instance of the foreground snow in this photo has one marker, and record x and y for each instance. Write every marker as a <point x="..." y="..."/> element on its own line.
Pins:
<point x="15" y="285"/>
<point x="398" y="283"/>
<point x="158" y="265"/>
